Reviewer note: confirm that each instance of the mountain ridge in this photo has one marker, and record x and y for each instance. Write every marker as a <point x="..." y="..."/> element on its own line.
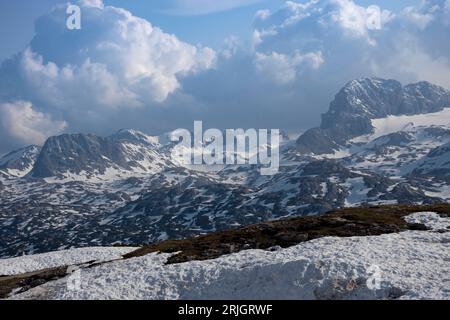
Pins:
<point x="125" y="188"/>
<point x="362" y="100"/>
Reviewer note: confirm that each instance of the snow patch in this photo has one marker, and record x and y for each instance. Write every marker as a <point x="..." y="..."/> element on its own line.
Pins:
<point x="392" y="124"/>
<point x="15" y="266"/>
<point x="431" y="220"/>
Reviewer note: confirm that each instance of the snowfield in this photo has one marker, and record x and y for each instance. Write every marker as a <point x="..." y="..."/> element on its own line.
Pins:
<point x="15" y="266"/>
<point x="392" y="124"/>
<point x="407" y="265"/>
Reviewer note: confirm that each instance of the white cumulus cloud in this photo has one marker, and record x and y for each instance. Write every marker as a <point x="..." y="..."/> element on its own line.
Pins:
<point x="284" y="69"/>
<point x="20" y="121"/>
<point x="116" y="61"/>
<point x="92" y="3"/>
<point x="358" y="41"/>
<point x="115" y="46"/>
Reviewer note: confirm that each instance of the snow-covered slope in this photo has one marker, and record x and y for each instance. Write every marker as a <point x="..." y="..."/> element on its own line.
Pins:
<point x="437" y="162"/>
<point x="19" y="163"/>
<point x="404" y="123"/>
<point x="407" y="265"/>
<point x="400" y="145"/>
<point x="86" y="157"/>
<point x="360" y="101"/>
<point x="24" y="264"/>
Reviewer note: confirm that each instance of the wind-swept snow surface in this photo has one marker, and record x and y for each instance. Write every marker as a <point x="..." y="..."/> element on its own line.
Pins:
<point x="407" y="265"/>
<point x="15" y="266"/>
<point x="431" y="220"/>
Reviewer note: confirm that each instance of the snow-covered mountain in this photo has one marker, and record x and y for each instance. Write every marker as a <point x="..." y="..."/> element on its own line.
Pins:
<point x="20" y="162"/>
<point x="362" y="100"/>
<point x="85" y="156"/>
<point x="380" y="143"/>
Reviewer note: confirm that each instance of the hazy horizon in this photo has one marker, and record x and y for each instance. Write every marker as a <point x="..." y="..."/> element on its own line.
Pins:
<point x="159" y="66"/>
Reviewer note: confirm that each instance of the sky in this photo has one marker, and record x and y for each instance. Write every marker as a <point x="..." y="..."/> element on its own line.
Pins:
<point x="189" y="22"/>
<point x="159" y="65"/>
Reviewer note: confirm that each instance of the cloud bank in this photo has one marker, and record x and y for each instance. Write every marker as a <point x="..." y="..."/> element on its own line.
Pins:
<point x="116" y="61"/>
<point x="305" y="52"/>
<point x="121" y="71"/>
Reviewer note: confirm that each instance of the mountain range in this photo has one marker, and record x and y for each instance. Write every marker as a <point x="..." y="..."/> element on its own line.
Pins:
<point x="379" y="143"/>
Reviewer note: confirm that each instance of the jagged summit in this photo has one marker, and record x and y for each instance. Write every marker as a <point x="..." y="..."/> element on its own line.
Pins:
<point x="362" y="100"/>
<point x="378" y="98"/>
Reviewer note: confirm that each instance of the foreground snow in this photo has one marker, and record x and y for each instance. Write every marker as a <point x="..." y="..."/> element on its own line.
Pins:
<point x="15" y="266"/>
<point x="408" y="265"/>
<point x="431" y="220"/>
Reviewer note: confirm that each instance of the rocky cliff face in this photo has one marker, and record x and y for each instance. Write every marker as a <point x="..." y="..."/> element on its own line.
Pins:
<point x="127" y="150"/>
<point x="362" y="100"/>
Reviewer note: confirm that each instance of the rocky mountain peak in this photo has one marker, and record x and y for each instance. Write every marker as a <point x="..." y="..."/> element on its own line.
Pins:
<point x="91" y="155"/>
<point x="359" y="101"/>
<point x="374" y="98"/>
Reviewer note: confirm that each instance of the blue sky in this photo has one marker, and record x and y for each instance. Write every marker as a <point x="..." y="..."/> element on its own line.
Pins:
<point x="17" y="19"/>
<point x="159" y="65"/>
